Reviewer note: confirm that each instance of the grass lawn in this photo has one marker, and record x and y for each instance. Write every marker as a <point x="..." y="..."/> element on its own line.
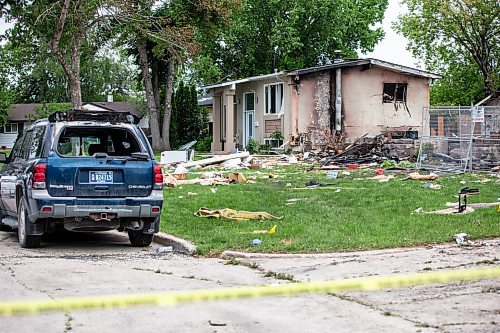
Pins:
<point x="365" y="214"/>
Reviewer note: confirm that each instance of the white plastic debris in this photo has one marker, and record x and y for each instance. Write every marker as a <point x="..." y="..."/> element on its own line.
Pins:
<point x="165" y="249"/>
<point x="232" y="164"/>
<point x="332" y="174"/>
<point x="461" y="238"/>
<point x="180" y="169"/>
<point x="292" y="159"/>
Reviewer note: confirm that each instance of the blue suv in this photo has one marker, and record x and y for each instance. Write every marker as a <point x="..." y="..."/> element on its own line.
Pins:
<point x="82" y="171"/>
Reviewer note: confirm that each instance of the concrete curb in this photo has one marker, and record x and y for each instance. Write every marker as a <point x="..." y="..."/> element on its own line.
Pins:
<point x="179" y="244"/>
<point x="251" y="255"/>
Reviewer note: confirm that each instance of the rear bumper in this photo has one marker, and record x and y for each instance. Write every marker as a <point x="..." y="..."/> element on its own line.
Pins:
<point x="62" y="207"/>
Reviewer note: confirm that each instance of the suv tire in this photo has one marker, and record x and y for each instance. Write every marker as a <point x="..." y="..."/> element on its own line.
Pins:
<point x="139" y="239"/>
<point x="25" y="240"/>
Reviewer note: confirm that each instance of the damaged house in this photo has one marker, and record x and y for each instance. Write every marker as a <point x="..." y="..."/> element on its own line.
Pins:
<point x="312" y="106"/>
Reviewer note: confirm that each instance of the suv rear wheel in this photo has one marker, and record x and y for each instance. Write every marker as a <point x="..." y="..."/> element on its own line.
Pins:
<point x="25" y="240"/>
<point x="139" y="239"/>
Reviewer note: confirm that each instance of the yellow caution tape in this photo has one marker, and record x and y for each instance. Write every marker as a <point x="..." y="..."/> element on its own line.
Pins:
<point x="172" y="298"/>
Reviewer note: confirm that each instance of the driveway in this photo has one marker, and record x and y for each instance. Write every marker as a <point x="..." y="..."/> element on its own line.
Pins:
<point x="99" y="264"/>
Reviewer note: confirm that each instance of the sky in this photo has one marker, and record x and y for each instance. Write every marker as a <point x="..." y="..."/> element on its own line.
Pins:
<point x="392" y="48"/>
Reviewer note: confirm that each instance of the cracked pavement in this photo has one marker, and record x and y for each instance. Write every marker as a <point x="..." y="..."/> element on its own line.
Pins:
<point x="72" y="265"/>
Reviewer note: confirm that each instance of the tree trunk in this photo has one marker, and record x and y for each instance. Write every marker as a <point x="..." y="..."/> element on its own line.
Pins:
<point x="150" y="100"/>
<point x="169" y="88"/>
<point x="156" y="85"/>
<point x="75" y="82"/>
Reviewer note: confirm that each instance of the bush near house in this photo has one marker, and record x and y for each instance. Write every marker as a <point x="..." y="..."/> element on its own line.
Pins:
<point x="364" y="214"/>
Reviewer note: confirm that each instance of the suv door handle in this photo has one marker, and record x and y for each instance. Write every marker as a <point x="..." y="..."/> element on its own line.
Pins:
<point x="101" y="187"/>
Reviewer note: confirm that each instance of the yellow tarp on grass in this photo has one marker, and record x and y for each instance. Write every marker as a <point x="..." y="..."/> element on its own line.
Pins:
<point x="229" y="214"/>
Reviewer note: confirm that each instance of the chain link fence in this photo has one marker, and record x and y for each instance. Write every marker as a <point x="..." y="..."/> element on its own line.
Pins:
<point x="460" y="139"/>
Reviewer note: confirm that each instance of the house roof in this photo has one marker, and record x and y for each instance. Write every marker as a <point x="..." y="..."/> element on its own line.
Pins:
<point x="20" y="111"/>
<point x="205" y="100"/>
<point x="248" y="79"/>
<point x="131" y="107"/>
<point x="346" y="63"/>
<point x="368" y="62"/>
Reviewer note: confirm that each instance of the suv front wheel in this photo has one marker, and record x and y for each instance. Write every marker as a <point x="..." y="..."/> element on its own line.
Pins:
<point x="25" y="240"/>
<point x="139" y="239"/>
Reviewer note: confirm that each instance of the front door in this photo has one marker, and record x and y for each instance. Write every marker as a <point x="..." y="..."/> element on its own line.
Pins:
<point x="248" y="117"/>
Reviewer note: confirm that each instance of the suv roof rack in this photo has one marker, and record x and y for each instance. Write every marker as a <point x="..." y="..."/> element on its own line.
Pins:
<point x="87" y="115"/>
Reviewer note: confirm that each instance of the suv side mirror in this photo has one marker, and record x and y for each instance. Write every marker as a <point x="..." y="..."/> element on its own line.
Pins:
<point x="3" y="158"/>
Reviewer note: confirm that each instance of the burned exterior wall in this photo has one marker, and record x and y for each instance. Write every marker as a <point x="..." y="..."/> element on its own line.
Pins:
<point x="364" y="109"/>
<point x="314" y="108"/>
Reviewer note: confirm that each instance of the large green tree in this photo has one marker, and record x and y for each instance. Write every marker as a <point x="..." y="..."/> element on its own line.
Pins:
<point x="458" y="38"/>
<point x="5" y="92"/>
<point x="163" y="34"/>
<point x="188" y="120"/>
<point x="36" y="76"/>
<point x="64" y="26"/>
<point x="265" y="36"/>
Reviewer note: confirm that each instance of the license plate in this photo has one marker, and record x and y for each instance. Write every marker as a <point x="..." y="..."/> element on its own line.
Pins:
<point x="101" y="177"/>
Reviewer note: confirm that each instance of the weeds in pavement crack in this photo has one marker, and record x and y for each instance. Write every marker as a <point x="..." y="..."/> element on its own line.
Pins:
<point x="69" y="319"/>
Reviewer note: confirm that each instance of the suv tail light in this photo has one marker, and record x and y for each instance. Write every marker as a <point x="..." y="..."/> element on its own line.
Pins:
<point x="39" y="176"/>
<point x="158" y="178"/>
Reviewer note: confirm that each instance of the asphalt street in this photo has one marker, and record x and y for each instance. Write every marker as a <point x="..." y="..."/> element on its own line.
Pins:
<point x="88" y="264"/>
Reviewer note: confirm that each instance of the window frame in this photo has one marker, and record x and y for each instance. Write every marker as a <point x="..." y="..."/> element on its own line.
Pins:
<point x="11" y="131"/>
<point x="270" y="141"/>
<point x="268" y="97"/>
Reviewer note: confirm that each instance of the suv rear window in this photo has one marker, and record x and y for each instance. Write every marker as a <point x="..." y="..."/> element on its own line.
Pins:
<point x="84" y="141"/>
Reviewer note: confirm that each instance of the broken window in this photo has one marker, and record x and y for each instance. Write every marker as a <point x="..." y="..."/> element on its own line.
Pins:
<point x="274" y="98"/>
<point x="78" y="141"/>
<point x="395" y="92"/>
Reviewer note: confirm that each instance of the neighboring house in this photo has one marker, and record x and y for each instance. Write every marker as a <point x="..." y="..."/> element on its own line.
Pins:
<point x="308" y="106"/>
<point x="19" y="116"/>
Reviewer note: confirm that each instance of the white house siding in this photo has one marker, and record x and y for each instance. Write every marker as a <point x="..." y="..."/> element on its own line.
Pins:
<point x="7" y="140"/>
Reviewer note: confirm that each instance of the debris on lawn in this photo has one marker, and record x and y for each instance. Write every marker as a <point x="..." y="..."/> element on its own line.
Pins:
<point x="332" y="174"/>
<point x="432" y="186"/>
<point x="293" y="201"/>
<point x="216" y="160"/>
<point x="419" y="210"/>
<point x="192" y="193"/>
<point x="383" y="178"/>
<point x="270" y="231"/>
<point x="256" y="242"/>
<point x="417" y="176"/>
<point x="228" y="214"/>
<point x="452" y="211"/>
<point x="236" y="177"/>
<point x="462" y="204"/>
